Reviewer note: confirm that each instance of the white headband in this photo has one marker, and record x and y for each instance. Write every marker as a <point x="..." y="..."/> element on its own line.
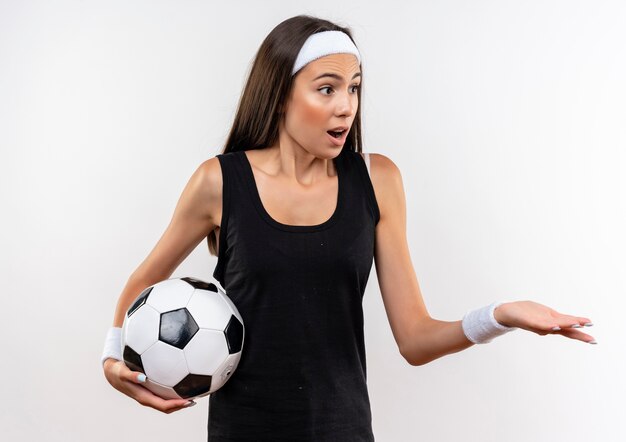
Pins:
<point x="324" y="43"/>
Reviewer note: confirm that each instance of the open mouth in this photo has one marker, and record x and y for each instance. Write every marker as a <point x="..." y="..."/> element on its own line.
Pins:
<point x="336" y="134"/>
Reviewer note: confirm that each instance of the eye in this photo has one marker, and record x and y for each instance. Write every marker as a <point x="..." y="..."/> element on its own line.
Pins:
<point x="355" y="87"/>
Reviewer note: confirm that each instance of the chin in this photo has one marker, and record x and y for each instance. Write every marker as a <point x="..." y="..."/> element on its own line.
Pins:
<point x="330" y="153"/>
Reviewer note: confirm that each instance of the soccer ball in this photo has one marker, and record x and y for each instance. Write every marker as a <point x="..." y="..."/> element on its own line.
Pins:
<point x="186" y="335"/>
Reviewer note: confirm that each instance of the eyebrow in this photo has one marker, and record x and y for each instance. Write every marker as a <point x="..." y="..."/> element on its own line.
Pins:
<point x="335" y="76"/>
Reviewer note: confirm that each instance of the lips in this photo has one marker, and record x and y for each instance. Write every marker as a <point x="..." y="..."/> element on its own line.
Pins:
<point x="335" y="134"/>
<point x="337" y="131"/>
<point x="339" y="128"/>
<point x="338" y="140"/>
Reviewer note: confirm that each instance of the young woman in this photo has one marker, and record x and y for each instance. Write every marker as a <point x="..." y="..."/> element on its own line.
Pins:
<point x="296" y="215"/>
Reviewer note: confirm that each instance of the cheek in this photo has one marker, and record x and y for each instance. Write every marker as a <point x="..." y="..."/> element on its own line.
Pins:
<point x="311" y="112"/>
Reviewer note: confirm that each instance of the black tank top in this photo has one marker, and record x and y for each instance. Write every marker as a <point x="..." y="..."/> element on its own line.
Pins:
<point x="302" y="374"/>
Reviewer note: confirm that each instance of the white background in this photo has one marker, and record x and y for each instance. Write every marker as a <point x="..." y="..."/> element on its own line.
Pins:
<point x="506" y="118"/>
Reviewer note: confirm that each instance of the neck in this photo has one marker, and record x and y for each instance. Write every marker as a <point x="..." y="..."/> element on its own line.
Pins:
<point x="288" y="160"/>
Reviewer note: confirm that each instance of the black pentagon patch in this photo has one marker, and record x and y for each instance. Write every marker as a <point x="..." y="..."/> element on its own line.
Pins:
<point x="193" y="385"/>
<point x="234" y="335"/>
<point x="132" y="359"/>
<point x="177" y="327"/>
<point x="141" y="300"/>
<point x="196" y="283"/>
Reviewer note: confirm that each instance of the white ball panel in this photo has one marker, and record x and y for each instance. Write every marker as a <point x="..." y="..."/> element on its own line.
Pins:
<point x="222" y="375"/>
<point x="164" y="364"/>
<point x="161" y="390"/>
<point x="170" y="294"/>
<point x="209" y="310"/>
<point x="206" y="351"/>
<point x="123" y="334"/>
<point x="230" y="304"/>
<point x="142" y="328"/>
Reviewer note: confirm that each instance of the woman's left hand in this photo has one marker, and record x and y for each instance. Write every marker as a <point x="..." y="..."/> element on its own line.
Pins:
<point x="542" y="320"/>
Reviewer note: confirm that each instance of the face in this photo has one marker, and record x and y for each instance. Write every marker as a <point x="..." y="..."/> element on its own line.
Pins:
<point x="319" y="103"/>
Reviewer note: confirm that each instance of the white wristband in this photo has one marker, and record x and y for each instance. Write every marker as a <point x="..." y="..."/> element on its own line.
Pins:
<point x="480" y="325"/>
<point x="113" y="345"/>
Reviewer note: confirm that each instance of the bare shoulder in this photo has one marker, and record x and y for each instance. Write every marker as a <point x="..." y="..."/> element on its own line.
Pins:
<point x="193" y="220"/>
<point x="382" y="163"/>
<point x="210" y="181"/>
<point x="387" y="182"/>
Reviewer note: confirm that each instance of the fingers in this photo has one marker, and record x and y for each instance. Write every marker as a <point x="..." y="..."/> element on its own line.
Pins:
<point x="146" y="398"/>
<point x="133" y="376"/>
<point x="566" y="325"/>
<point x="544" y="320"/>
<point x="569" y="326"/>
<point x="560" y="320"/>
<point x="575" y="333"/>
<point x="187" y="404"/>
<point x="573" y="321"/>
<point x="574" y="325"/>
<point x="127" y="374"/>
<point x="131" y="383"/>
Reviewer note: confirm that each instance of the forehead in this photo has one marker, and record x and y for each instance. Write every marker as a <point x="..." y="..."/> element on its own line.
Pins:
<point x="346" y="65"/>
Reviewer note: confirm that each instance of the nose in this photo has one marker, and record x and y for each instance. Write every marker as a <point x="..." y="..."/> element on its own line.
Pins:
<point x="346" y="104"/>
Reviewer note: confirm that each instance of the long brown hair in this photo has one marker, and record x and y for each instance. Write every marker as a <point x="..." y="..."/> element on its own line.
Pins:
<point x="269" y="86"/>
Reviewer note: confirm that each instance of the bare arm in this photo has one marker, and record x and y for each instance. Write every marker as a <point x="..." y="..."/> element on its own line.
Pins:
<point x="192" y="221"/>
<point x="194" y="218"/>
<point x="420" y="338"/>
<point x="399" y="287"/>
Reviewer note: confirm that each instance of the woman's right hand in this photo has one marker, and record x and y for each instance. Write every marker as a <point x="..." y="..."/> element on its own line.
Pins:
<point x="127" y="381"/>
